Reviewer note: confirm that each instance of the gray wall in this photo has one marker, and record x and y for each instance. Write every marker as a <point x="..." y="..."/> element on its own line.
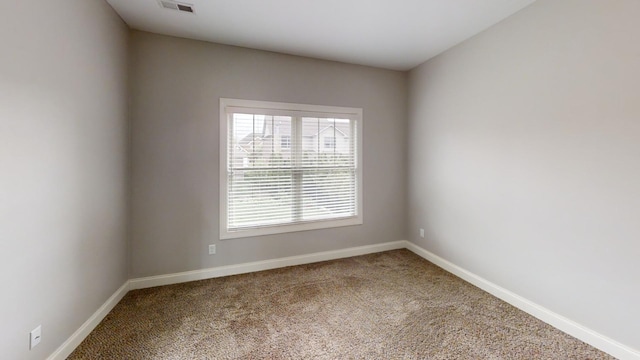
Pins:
<point x="63" y="141"/>
<point x="524" y="158"/>
<point x="176" y="86"/>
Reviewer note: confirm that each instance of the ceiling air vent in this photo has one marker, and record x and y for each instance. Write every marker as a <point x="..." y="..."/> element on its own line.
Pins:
<point x="172" y="5"/>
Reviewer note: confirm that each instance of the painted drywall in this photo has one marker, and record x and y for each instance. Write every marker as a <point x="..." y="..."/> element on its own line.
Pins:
<point x="523" y="159"/>
<point x="63" y="180"/>
<point x="176" y="87"/>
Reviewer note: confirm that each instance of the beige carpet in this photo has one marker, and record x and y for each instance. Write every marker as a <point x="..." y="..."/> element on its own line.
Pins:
<point x="391" y="305"/>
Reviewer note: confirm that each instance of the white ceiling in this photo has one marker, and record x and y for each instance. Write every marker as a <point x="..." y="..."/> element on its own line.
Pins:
<point x="397" y="35"/>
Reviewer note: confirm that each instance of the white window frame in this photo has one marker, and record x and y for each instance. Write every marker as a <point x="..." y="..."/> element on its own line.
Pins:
<point x="302" y="109"/>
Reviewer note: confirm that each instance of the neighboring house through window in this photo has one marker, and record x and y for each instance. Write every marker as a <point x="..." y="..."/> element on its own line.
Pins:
<point x="285" y="142"/>
<point x="330" y="142"/>
<point x="288" y="167"/>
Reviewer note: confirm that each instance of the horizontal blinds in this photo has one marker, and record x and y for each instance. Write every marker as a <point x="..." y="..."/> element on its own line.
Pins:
<point x="289" y="167"/>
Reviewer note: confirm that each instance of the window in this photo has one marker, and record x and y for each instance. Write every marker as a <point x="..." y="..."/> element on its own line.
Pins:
<point x="288" y="167"/>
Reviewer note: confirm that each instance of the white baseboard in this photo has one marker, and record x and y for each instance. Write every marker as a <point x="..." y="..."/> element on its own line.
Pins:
<point x="560" y="322"/>
<point x="76" y="338"/>
<point x="160" y="280"/>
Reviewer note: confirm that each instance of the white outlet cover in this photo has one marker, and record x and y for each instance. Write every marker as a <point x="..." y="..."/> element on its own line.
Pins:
<point x="421" y="233"/>
<point x="212" y="249"/>
<point x="35" y="337"/>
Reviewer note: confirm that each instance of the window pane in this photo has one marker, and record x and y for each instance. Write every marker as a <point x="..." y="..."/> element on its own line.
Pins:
<point x="240" y="140"/>
<point x="328" y="193"/>
<point x="256" y="141"/>
<point x="259" y="198"/>
<point x="327" y="141"/>
<point x="344" y="140"/>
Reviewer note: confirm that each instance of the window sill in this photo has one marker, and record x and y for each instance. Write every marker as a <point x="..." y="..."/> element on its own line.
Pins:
<point x="281" y="229"/>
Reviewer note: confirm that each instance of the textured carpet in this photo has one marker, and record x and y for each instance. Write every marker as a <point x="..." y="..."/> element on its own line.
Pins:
<point x="391" y="305"/>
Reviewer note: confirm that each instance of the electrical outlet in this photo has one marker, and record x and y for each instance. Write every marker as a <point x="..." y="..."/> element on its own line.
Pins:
<point x="212" y="249"/>
<point x="35" y="337"/>
<point x="422" y="233"/>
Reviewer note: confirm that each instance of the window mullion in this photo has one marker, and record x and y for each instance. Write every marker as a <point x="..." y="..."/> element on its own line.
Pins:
<point x="229" y="168"/>
<point x="354" y="158"/>
<point x="296" y="144"/>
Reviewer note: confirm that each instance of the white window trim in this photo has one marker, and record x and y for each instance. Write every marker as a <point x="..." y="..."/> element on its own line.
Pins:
<point x="355" y="113"/>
